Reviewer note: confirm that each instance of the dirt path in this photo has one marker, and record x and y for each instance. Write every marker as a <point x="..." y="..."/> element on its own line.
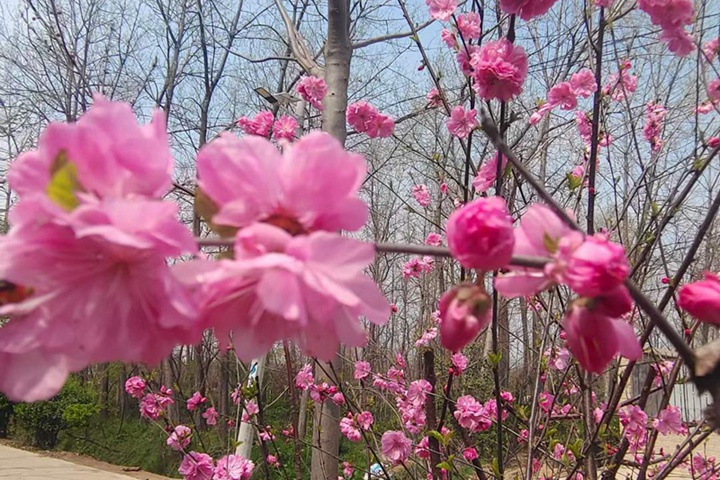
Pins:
<point x="21" y="464"/>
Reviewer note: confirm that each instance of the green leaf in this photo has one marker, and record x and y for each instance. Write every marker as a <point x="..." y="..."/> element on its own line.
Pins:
<point x="437" y="436"/>
<point x="574" y="182"/>
<point x="495" y="358"/>
<point x="64" y="183"/>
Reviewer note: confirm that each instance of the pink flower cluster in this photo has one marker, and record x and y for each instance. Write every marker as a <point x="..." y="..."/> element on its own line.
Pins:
<point x="200" y="466"/>
<point x="264" y="123"/>
<point x="395" y="446"/>
<point x="565" y="94"/>
<point x="592" y="267"/>
<point x="671" y="16"/>
<point x="655" y="114"/>
<point x="487" y="173"/>
<point x="350" y="425"/>
<point x="499" y="69"/>
<point x="635" y="420"/>
<point x="526" y="9"/>
<point x="621" y="84"/>
<point x="461" y="121"/>
<point x="90" y="238"/>
<point x="312" y="90"/>
<point x="471" y="414"/>
<point x="365" y="118"/>
<point x="421" y="194"/>
<point x="441" y="9"/>
<point x="416" y="266"/>
<point x="701" y="299"/>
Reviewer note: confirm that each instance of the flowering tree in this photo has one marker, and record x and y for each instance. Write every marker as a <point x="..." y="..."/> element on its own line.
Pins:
<point x="510" y="306"/>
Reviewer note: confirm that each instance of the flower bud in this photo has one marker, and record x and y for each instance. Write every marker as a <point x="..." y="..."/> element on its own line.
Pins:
<point x="465" y="311"/>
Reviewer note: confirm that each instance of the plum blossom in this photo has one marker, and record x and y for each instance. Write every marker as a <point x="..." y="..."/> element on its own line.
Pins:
<point x="195" y="401"/>
<point x="365" y="420"/>
<point x="465" y="311"/>
<point x="711" y="49"/>
<point x="480" y="234"/>
<point x="653" y="125"/>
<point x="362" y="370"/>
<point x="107" y="233"/>
<point x="197" y="466"/>
<point x="461" y="121"/>
<point x="470" y="454"/>
<point x="180" y="438"/>
<point x="469" y="25"/>
<point x="417" y="266"/>
<point x="312" y="90"/>
<point x="669" y="421"/>
<point x="434" y="239"/>
<point x="234" y="467"/>
<point x="714" y="90"/>
<point x="595" y="334"/>
<point x="428" y="335"/>
<point x="701" y="299"/>
<point x="135" y="387"/>
<point x="434" y="98"/>
<point x="449" y="39"/>
<point x="421" y="194"/>
<point x="621" y="84"/>
<point x="471" y="415"/>
<point x="460" y="362"/>
<point x="671" y="16"/>
<point x="349" y="429"/>
<point x="596" y="266"/>
<point x="260" y="125"/>
<point x="284" y="128"/>
<point x="487" y="173"/>
<point x="441" y="9"/>
<point x="634" y="419"/>
<point x="499" y="69"/>
<point x="310" y="288"/>
<point x="304" y="378"/>
<point x="211" y="416"/>
<point x="583" y="83"/>
<point x="395" y="446"/>
<point x="312" y="185"/>
<point x="365" y="118"/>
<point x="563" y="95"/>
<point x="526" y="9"/>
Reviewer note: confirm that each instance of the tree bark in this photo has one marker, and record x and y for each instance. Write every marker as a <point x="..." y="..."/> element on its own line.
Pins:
<point x="338" y="51"/>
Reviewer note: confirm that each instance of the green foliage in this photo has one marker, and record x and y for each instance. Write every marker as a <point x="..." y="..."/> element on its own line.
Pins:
<point x="71" y="408"/>
<point x="6" y="411"/>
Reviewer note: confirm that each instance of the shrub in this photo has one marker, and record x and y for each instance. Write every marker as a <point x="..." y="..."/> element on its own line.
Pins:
<point x="6" y="411"/>
<point x="73" y="407"/>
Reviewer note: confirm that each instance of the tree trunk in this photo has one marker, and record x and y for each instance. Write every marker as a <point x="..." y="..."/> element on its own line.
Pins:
<point x="338" y="51"/>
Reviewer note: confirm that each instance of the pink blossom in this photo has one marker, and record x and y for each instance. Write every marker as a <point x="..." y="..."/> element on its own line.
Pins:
<point x="211" y="416"/>
<point x="461" y="121"/>
<point x="714" y="90"/>
<point x="634" y="419"/>
<point x="197" y="466"/>
<point x="621" y="84"/>
<point x="542" y="234"/>
<point x="469" y="25"/>
<point x="434" y="239"/>
<point x="705" y="108"/>
<point x="713" y="142"/>
<point x="312" y="185"/>
<point x="499" y="69"/>
<point x="348" y="470"/>
<point x="309" y="288"/>
<point x="434" y="98"/>
<point x="487" y="173"/>
<point x="669" y="421"/>
<point x="312" y="90"/>
<point x="584" y="126"/>
<point x="470" y="414"/>
<point x="701" y="299"/>
<point x="594" y="338"/>
<point x="422" y="449"/>
<point x="362" y="370"/>
<point x="365" y="420"/>
<point x="603" y="3"/>
<point x="284" y="128"/>
<point x="711" y="49"/>
<point x="234" y="467"/>
<point x="395" y="446"/>
<point x="444" y="188"/>
<point x="381" y="126"/>
<point x="421" y="194"/>
<point x="563" y="95"/>
<point x="583" y="83"/>
<point x="180" y="438"/>
<point x="107" y="235"/>
<point x="597" y="266"/>
<point x="449" y="39"/>
<point x="338" y="398"/>
<point x="195" y="401"/>
<point x="524" y="436"/>
<point x="428" y="335"/>
<point x="349" y="429"/>
<point x="653" y="125"/>
<point x="360" y="116"/>
<point x="546" y="401"/>
<point x="260" y="125"/>
<point x="463" y="57"/>
<point x="135" y="387"/>
<point x="441" y="9"/>
<point x="465" y="311"/>
<point x="460" y="362"/>
<point x="470" y="454"/>
<point x="543" y="108"/>
<point x="480" y="234"/>
<point x="304" y="378"/>
<point x="526" y="9"/>
<point x="679" y="41"/>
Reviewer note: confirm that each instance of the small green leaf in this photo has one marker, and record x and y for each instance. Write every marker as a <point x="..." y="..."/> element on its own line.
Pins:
<point x="64" y="183"/>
